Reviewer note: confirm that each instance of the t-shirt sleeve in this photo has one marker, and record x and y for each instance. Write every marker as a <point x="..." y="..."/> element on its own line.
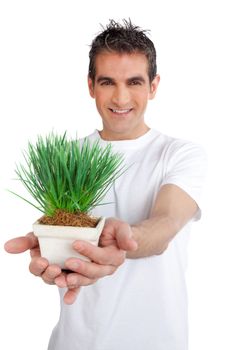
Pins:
<point x="187" y="168"/>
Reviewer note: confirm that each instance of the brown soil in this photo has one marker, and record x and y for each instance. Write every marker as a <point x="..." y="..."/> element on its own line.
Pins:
<point x="62" y="218"/>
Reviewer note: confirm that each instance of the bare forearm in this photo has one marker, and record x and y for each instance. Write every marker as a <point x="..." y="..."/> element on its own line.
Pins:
<point x="153" y="236"/>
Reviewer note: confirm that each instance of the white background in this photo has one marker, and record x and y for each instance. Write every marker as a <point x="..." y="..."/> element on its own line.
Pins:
<point x="43" y="68"/>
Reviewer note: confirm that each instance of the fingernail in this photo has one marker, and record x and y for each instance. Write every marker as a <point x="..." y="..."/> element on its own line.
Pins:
<point x="74" y="265"/>
<point x="78" y="246"/>
<point x="71" y="286"/>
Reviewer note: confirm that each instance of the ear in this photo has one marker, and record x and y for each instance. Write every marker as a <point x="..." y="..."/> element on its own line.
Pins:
<point x="154" y="86"/>
<point x="91" y="87"/>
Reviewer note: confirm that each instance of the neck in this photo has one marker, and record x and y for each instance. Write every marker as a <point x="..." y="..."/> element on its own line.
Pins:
<point x="108" y="136"/>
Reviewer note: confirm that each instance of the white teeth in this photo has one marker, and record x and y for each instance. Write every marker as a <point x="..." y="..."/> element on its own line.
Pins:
<point x="121" y="111"/>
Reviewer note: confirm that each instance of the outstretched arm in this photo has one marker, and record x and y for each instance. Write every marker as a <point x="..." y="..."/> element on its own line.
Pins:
<point x="172" y="210"/>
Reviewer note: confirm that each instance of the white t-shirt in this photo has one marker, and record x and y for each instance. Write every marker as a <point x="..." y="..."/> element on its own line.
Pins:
<point x="143" y="305"/>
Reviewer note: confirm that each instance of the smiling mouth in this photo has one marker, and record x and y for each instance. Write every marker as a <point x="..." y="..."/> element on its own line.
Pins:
<point x="121" y="111"/>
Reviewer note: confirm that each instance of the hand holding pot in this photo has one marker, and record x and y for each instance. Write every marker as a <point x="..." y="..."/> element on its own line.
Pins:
<point x="115" y="240"/>
<point x="38" y="266"/>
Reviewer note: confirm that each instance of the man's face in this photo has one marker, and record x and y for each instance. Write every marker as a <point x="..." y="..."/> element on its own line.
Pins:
<point x="121" y="90"/>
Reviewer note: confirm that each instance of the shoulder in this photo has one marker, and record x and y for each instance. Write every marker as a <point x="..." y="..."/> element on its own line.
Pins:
<point x="91" y="137"/>
<point x="187" y="150"/>
<point x="172" y="148"/>
<point x="185" y="165"/>
<point x="186" y="159"/>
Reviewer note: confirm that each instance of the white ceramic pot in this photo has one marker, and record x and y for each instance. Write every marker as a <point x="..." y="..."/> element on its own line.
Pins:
<point x="56" y="241"/>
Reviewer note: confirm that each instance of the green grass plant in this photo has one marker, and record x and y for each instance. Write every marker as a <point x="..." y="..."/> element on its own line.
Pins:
<point x="68" y="174"/>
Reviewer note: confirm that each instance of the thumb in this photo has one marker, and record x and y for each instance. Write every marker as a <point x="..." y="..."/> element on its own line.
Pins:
<point x="124" y="238"/>
<point x="21" y="244"/>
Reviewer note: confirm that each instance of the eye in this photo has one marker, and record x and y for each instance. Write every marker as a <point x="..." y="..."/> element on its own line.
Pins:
<point x="106" y="82"/>
<point x="135" y="82"/>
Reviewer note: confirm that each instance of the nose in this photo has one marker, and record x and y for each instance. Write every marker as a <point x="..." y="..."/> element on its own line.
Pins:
<point x="121" y="96"/>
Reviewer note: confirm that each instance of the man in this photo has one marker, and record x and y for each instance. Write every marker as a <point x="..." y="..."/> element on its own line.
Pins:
<point x="143" y="304"/>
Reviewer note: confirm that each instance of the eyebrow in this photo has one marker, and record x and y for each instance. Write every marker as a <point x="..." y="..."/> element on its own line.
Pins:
<point x="102" y="78"/>
<point x="137" y="78"/>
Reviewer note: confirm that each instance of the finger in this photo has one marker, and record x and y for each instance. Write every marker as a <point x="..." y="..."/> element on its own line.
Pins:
<point x="38" y="266"/>
<point x="51" y="273"/>
<point x="124" y="238"/>
<point x="87" y="269"/>
<point x="21" y="244"/>
<point x="74" y="280"/>
<point x="71" y="295"/>
<point x="60" y="281"/>
<point x="35" y="252"/>
<point x="119" y="231"/>
<point x="103" y="256"/>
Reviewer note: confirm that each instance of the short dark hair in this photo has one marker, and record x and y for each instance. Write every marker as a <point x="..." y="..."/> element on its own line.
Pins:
<point x="123" y="38"/>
